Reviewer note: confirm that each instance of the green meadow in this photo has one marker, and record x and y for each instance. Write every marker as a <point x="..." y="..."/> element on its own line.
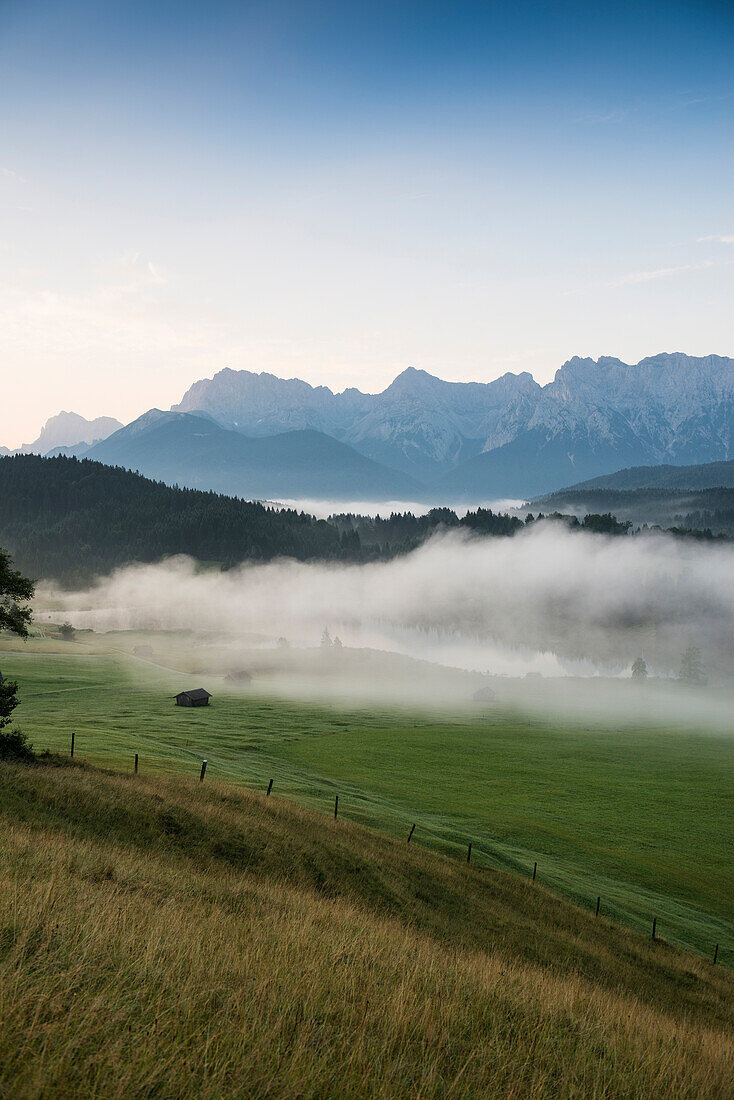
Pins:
<point x="642" y="818"/>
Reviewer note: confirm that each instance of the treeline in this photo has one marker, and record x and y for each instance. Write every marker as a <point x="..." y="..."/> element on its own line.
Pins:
<point x="720" y="520"/>
<point x="402" y="532"/>
<point x="69" y="519"/>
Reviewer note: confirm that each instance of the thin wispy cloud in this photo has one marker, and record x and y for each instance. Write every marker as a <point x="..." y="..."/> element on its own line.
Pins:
<point x="718" y="238"/>
<point x="694" y="99"/>
<point x="663" y="273"/>
<point x="11" y="174"/>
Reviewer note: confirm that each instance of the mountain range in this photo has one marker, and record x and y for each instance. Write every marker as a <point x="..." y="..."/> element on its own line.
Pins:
<point x="424" y="438"/>
<point x="508" y="437"/>
<point x="419" y="424"/>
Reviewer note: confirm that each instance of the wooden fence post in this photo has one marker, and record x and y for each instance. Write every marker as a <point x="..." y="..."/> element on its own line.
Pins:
<point x="598" y="903"/>
<point x="535" y="870"/>
<point x="654" y="926"/>
<point x="72" y="744"/>
<point x="468" y="854"/>
<point x="270" y="787"/>
<point x="136" y="763"/>
<point x="336" y="807"/>
<point x="716" y="953"/>
<point x="412" y="830"/>
<point x="203" y="770"/>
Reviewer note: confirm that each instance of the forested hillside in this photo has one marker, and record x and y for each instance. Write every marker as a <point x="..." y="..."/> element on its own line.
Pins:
<point x="706" y="475"/>
<point x="69" y="519"/>
<point x="710" y="512"/>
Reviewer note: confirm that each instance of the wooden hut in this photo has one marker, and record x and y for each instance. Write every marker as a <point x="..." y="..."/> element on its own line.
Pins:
<point x="194" y="697"/>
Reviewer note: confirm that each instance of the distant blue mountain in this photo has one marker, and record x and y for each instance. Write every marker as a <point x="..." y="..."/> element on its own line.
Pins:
<point x="508" y="437"/>
<point x="193" y="450"/>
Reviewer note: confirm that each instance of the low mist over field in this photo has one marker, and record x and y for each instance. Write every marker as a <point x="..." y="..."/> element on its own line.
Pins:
<point x="550" y="601"/>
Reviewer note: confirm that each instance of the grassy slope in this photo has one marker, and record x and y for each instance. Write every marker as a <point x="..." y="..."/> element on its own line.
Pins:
<point x="165" y="938"/>
<point x="641" y="818"/>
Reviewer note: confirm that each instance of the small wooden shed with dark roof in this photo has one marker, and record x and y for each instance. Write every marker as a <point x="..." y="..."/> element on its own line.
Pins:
<point x="194" y="697"/>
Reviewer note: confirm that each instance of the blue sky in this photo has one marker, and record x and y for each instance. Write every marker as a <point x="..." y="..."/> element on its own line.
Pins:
<point x="341" y="190"/>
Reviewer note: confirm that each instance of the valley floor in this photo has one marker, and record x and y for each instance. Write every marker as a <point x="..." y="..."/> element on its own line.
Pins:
<point x="640" y="817"/>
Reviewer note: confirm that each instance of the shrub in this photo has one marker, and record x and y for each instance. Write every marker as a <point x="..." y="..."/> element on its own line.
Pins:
<point x="14" y="745"/>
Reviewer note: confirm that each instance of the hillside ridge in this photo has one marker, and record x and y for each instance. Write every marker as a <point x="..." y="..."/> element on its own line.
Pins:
<point x="228" y="937"/>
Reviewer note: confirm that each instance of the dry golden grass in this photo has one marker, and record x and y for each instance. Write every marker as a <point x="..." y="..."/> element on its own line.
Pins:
<point x="162" y="939"/>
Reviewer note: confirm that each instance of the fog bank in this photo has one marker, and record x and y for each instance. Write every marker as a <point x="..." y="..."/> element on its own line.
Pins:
<point x="548" y="600"/>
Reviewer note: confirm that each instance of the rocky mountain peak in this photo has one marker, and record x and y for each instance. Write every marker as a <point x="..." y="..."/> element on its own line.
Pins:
<point x="595" y="410"/>
<point x="412" y="381"/>
<point x="67" y="429"/>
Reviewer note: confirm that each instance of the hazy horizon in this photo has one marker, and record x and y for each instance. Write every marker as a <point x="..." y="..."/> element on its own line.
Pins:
<point x="339" y="191"/>
<point x="172" y="404"/>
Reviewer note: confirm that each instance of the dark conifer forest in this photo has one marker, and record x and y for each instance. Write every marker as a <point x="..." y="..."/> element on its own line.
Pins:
<point x="69" y="520"/>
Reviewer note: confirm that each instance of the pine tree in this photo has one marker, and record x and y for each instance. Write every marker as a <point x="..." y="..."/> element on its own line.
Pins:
<point x="639" y="669"/>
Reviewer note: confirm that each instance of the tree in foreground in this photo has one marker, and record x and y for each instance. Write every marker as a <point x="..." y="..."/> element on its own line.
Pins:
<point x="15" y="592"/>
<point x="15" y="614"/>
<point x="639" y="669"/>
<point x="691" y="667"/>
